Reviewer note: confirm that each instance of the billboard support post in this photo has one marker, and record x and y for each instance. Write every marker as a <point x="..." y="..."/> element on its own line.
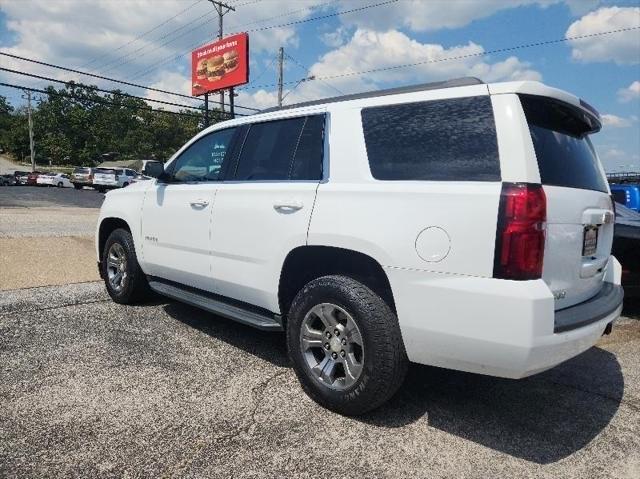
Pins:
<point x="206" y="110"/>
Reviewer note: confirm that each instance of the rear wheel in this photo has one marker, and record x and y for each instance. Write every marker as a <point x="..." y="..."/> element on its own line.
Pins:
<point x="125" y="184"/>
<point x="125" y="281"/>
<point x="60" y="184"/>
<point x="345" y="345"/>
<point x="77" y="186"/>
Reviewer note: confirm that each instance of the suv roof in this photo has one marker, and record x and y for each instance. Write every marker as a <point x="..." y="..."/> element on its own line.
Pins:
<point x="455" y="82"/>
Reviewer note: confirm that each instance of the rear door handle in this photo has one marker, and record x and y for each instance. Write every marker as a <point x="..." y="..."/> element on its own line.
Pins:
<point x="199" y="203"/>
<point x="285" y="206"/>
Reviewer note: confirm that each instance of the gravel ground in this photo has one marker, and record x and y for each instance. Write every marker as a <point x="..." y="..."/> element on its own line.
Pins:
<point x="92" y="388"/>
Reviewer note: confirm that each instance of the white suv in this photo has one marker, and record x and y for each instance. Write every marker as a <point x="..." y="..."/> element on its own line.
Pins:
<point x="108" y="178"/>
<point x="458" y="224"/>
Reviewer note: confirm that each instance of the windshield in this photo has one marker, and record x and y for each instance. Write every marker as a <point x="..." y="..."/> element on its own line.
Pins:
<point x="564" y="151"/>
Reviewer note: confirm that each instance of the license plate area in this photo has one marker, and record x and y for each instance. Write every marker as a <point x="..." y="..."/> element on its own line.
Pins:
<point x="590" y="240"/>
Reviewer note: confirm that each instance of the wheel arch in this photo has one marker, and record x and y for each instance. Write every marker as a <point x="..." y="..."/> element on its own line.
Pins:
<point x="107" y="226"/>
<point x="306" y="263"/>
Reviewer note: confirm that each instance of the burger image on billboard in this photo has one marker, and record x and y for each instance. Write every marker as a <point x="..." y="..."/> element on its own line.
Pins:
<point x="230" y="61"/>
<point x="201" y="70"/>
<point x="220" y="65"/>
<point x="215" y="68"/>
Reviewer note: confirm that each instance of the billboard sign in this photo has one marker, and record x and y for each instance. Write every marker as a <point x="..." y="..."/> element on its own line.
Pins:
<point x="220" y="65"/>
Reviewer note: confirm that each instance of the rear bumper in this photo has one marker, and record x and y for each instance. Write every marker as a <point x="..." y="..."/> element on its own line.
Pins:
<point x="495" y="327"/>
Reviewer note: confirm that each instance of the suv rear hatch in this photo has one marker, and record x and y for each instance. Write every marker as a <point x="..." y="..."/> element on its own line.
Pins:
<point x="105" y="176"/>
<point x="580" y="213"/>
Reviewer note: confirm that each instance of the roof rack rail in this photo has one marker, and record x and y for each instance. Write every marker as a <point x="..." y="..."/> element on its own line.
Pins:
<point x="455" y="82"/>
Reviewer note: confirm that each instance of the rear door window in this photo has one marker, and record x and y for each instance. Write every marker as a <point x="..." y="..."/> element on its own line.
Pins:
<point x="289" y="149"/>
<point x="439" y="140"/>
<point x="565" y="154"/>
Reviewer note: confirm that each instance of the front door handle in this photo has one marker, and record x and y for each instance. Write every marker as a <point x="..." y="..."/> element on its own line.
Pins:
<point x="288" y="206"/>
<point x="199" y="203"/>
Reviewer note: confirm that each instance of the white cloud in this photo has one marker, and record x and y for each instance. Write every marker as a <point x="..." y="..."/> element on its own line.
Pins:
<point x="429" y="15"/>
<point x="632" y="92"/>
<point x="73" y="32"/>
<point x="614" y="121"/>
<point x="372" y="50"/>
<point x="622" y="48"/>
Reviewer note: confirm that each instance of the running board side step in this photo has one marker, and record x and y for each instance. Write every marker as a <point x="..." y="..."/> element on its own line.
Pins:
<point x="215" y="304"/>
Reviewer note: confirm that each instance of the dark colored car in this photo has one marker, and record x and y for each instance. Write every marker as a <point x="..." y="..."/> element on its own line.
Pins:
<point x="82" y="176"/>
<point x="626" y="248"/>
<point x="7" y="180"/>
<point x="32" y="178"/>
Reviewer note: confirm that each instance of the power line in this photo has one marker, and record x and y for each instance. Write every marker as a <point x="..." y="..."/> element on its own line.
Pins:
<point x="459" y="57"/>
<point x="156" y="65"/>
<point x="142" y="35"/>
<point x="143" y="72"/>
<point x="95" y="100"/>
<point x="123" y="59"/>
<point x="479" y="54"/>
<point x="72" y="70"/>
<point x="73" y="83"/>
<point x="306" y="69"/>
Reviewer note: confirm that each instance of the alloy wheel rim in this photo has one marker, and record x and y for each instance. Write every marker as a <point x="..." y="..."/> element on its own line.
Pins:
<point x="332" y="346"/>
<point x="117" y="267"/>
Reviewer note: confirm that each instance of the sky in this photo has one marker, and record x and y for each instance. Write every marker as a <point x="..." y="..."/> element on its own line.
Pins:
<point x="149" y="42"/>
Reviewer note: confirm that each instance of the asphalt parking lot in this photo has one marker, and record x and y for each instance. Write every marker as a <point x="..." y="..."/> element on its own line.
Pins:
<point x="91" y="388"/>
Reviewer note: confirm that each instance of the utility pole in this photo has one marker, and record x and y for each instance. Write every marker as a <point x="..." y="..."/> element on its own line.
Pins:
<point x="31" y="145"/>
<point x="280" y="75"/>
<point x="222" y="9"/>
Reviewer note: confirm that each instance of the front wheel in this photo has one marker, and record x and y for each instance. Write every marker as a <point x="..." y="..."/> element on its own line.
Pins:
<point x="77" y="186"/>
<point x="60" y="184"/>
<point x="345" y="345"/>
<point x="125" y="281"/>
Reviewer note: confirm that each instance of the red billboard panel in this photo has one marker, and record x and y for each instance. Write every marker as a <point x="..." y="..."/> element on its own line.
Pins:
<point x="220" y="65"/>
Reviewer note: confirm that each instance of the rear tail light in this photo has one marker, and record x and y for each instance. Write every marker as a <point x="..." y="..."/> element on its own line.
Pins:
<point x="520" y="235"/>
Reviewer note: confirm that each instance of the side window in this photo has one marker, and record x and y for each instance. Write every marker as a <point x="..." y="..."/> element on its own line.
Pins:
<point x="269" y="149"/>
<point x="439" y="140"/>
<point x="307" y="164"/>
<point x="202" y="161"/>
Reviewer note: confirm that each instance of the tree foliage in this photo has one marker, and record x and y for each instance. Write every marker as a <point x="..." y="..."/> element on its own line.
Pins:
<point x="75" y="125"/>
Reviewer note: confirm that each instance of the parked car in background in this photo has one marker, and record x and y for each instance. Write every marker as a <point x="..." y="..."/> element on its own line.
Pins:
<point x="109" y="178"/>
<point x="60" y="180"/>
<point x="21" y="177"/>
<point x="627" y="194"/>
<point x="32" y="178"/>
<point x="626" y="248"/>
<point x="7" y="180"/>
<point x="82" y="176"/>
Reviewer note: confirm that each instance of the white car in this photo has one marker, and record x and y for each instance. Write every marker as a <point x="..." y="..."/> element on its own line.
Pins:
<point x="60" y="180"/>
<point x="459" y="224"/>
<point x="109" y="178"/>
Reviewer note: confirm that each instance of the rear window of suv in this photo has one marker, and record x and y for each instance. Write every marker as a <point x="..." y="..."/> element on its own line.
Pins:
<point x="565" y="154"/>
<point x="439" y="140"/>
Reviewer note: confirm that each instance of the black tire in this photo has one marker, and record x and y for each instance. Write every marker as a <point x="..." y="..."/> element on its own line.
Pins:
<point x="384" y="363"/>
<point x="125" y="184"/>
<point x="60" y="185"/>
<point x="77" y="186"/>
<point x="135" y="287"/>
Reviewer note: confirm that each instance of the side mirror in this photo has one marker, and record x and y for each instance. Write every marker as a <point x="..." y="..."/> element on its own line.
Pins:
<point x="153" y="169"/>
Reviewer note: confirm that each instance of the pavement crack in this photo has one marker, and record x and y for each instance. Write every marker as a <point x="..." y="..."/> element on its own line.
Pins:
<point x="257" y="393"/>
